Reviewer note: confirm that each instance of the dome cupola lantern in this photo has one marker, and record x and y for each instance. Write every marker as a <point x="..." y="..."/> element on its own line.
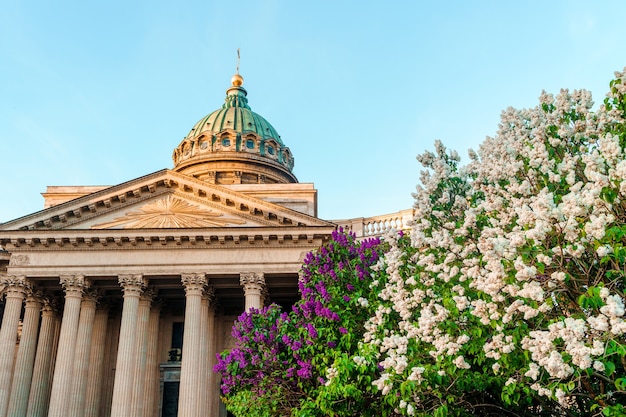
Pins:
<point x="234" y="145"/>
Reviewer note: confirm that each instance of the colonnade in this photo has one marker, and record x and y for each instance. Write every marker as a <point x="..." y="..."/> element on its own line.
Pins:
<point x="60" y="366"/>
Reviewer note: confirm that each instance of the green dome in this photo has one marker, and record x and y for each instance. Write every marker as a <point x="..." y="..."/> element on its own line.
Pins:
<point x="235" y="114"/>
<point x="234" y="145"/>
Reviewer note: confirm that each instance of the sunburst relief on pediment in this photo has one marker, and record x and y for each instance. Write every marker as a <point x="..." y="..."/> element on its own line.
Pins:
<point x="170" y="212"/>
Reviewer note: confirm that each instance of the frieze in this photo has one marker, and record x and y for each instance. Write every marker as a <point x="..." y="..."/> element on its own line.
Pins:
<point x="19" y="260"/>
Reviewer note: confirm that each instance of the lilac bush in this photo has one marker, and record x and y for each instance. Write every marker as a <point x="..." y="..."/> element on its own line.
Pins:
<point x="282" y="362"/>
<point x="510" y="297"/>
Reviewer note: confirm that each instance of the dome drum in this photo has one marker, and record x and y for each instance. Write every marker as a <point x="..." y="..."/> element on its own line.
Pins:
<point x="227" y="171"/>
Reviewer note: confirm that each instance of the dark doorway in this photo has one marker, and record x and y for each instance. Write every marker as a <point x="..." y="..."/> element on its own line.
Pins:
<point x="170" y="399"/>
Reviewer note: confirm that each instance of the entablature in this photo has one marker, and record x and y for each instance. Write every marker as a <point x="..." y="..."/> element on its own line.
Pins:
<point x="170" y="238"/>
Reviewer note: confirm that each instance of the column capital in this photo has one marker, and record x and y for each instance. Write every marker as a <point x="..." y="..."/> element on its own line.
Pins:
<point x="49" y="307"/>
<point x="157" y="303"/>
<point x="147" y="296"/>
<point x="74" y="284"/>
<point x="265" y="296"/>
<point x="15" y="285"/>
<point x="252" y="280"/>
<point x="92" y="294"/>
<point x="132" y="284"/>
<point x="208" y="297"/>
<point x="34" y="298"/>
<point x="91" y="297"/>
<point x="194" y="283"/>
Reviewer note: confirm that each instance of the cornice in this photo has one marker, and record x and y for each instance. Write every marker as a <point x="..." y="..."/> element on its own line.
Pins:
<point x="99" y="239"/>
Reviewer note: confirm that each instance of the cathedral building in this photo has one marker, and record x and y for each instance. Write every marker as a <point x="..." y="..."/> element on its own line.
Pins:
<point x="116" y="300"/>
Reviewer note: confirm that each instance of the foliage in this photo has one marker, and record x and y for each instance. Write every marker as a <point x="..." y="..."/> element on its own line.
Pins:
<point x="507" y="298"/>
<point x="283" y="362"/>
<point x="510" y="296"/>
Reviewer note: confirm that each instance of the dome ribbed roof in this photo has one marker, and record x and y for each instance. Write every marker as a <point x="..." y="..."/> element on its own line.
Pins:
<point x="235" y="114"/>
<point x="234" y="145"/>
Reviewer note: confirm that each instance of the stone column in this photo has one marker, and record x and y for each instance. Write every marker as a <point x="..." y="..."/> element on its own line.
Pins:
<point x="15" y="289"/>
<point x="141" y="349"/>
<point x="212" y="394"/>
<point x="152" y="362"/>
<point x="23" y="373"/>
<point x="253" y="284"/>
<point x="53" y="360"/>
<point x="40" y="385"/>
<point x="110" y="355"/>
<point x="96" y="371"/>
<point x="82" y="355"/>
<point x="133" y="285"/>
<point x="190" y="373"/>
<point x="62" y="381"/>
<point x="203" y="361"/>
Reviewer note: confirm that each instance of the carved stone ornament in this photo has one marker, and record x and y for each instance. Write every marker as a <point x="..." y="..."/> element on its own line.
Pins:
<point x="252" y="280"/>
<point x="35" y="298"/>
<point x="170" y="212"/>
<point x="209" y="295"/>
<point x="19" y="260"/>
<point x="92" y="295"/>
<point x="74" y="284"/>
<point x="15" y="285"/>
<point x="132" y="283"/>
<point x="194" y="282"/>
<point x="148" y="295"/>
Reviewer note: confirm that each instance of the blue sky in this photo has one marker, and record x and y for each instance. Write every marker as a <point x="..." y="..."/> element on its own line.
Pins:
<point x="98" y="93"/>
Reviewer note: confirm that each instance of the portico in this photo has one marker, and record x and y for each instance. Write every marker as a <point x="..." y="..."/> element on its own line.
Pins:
<point x="111" y="352"/>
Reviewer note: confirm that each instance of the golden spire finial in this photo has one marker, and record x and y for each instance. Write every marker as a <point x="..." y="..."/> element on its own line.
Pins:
<point x="237" y="79"/>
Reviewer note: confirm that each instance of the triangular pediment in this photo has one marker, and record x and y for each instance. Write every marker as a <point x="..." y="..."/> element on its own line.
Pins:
<point x="164" y="199"/>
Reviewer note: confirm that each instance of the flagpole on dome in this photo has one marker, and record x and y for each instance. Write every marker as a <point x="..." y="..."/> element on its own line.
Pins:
<point x="237" y="80"/>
